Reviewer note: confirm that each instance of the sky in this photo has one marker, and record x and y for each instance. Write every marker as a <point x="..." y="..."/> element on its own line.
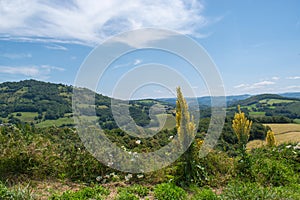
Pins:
<point x="255" y="45"/>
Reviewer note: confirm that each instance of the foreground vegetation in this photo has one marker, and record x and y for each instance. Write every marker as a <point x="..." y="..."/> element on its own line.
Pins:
<point x="55" y="157"/>
<point x="68" y="171"/>
<point x="40" y="161"/>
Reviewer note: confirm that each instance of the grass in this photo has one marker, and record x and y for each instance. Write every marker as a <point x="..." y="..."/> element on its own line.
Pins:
<point x="257" y="114"/>
<point x="170" y="120"/>
<point x="284" y="133"/>
<point x="288" y="137"/>
<point x="272" y="101"/>
<point x="63" y="121"/>
<point x="297" y="121"/>
<point x="26" y="116"/>
<point x="57" y="122"/>
<point x="284" y="128"/>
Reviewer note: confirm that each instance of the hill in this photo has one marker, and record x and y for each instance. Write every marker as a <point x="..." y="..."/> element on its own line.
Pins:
<point x="46" y="104"/>
<point x="291" y="95"/>
<point x="205" y="101"/>
<point x="270" y="108"/>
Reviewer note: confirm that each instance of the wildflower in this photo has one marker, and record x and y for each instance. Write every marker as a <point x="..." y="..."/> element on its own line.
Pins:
<point x="139" y="176"/>
<point x="98" y="178"/>
<point x="128" y="177"/>
<point x="138" y="142"/>
<point x="270" y="138"/>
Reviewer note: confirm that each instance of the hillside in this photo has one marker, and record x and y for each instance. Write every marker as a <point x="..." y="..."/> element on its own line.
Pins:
<point x="270" y="108"/>
<point x="47" y="104"/>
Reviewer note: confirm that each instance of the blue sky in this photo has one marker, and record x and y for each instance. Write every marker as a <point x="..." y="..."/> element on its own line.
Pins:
<point x="254" y="44"/>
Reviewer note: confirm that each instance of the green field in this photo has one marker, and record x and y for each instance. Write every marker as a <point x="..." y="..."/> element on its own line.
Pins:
<point x="26" y="116"/>
<point x="297" y="121"/>
<point x="257" y="114"/>
<point x="272" y="101"/>
<point x="170" y="120"/>
<point x="62" y="121"/>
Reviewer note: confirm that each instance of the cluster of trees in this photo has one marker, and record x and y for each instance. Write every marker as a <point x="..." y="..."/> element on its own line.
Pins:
<point x="35" y="96"/>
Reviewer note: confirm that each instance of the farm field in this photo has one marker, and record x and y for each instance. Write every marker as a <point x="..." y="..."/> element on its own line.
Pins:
<point x="284" y="133"/>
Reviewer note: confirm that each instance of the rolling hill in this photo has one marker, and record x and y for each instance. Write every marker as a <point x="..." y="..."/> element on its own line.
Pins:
<point x="46" y="104"/>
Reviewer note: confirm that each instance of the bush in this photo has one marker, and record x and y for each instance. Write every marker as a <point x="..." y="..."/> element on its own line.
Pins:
<point x="169" y="191"/>
<point x="253" y="191"/>
<point x="275" y="166"/>
<point x="272" y="172"/>
<point x="20" y="193"/>
<point x="139" y="190"/>
<point x="97" y="192"/>
<point x="205" y="194"/>
<point x="123" y="195"/>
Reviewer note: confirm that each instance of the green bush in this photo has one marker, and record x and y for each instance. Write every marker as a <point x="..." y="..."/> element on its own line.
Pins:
<point x="205" y="194"/>
<point x="97" y="192"/>
<point x="139" y="190"/>
<point x="253" y="191"/>
<point x="273" y="172"/>
<point x="275" y="166"/>
<point x="19" y="193"/>
<point x="169" y="191"/>
<point x="124" y="195"/>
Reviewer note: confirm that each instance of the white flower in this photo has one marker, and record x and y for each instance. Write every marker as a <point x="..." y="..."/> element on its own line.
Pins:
<point x="139" y="176"/>
<point x="138" y="142"/>
<point x="98" y="178"/>
<point x="128" y="177"/>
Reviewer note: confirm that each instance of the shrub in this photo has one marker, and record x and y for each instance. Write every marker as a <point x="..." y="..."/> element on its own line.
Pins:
<point x="269" y="171"/>
<point x="169" y="191"/>
<point x="205" y="194"/>
<point x="124" y="195"/>
<point x="253" y="191"/>
<point x="139" y="190"/>
<point x="97" y="192"/>
<point x="19" y="193"/>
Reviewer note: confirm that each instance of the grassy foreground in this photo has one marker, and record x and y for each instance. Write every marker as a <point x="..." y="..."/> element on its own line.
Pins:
<point x="51" y="163"/>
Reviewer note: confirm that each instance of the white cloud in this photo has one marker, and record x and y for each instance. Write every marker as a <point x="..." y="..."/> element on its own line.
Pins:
<point x="92" y="21"/>
<point x="293" y="77"/>
<point x="56" y="47"/>
<point x="137" y="61"/>
<point x="293" y="87"/>
<point x="30" y="71"/>
<point x="16" y="55"/>
<point x="27" y="71"/>
<point x="257" y="85"/>
<point x="241" y="85"/>
<point x="262" y="83"/>
<point x="275" y="78"/>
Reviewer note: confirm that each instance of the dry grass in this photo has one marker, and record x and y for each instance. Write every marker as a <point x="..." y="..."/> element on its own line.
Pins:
<point x="284" y="133"/>
<point x="284" y="128"/>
